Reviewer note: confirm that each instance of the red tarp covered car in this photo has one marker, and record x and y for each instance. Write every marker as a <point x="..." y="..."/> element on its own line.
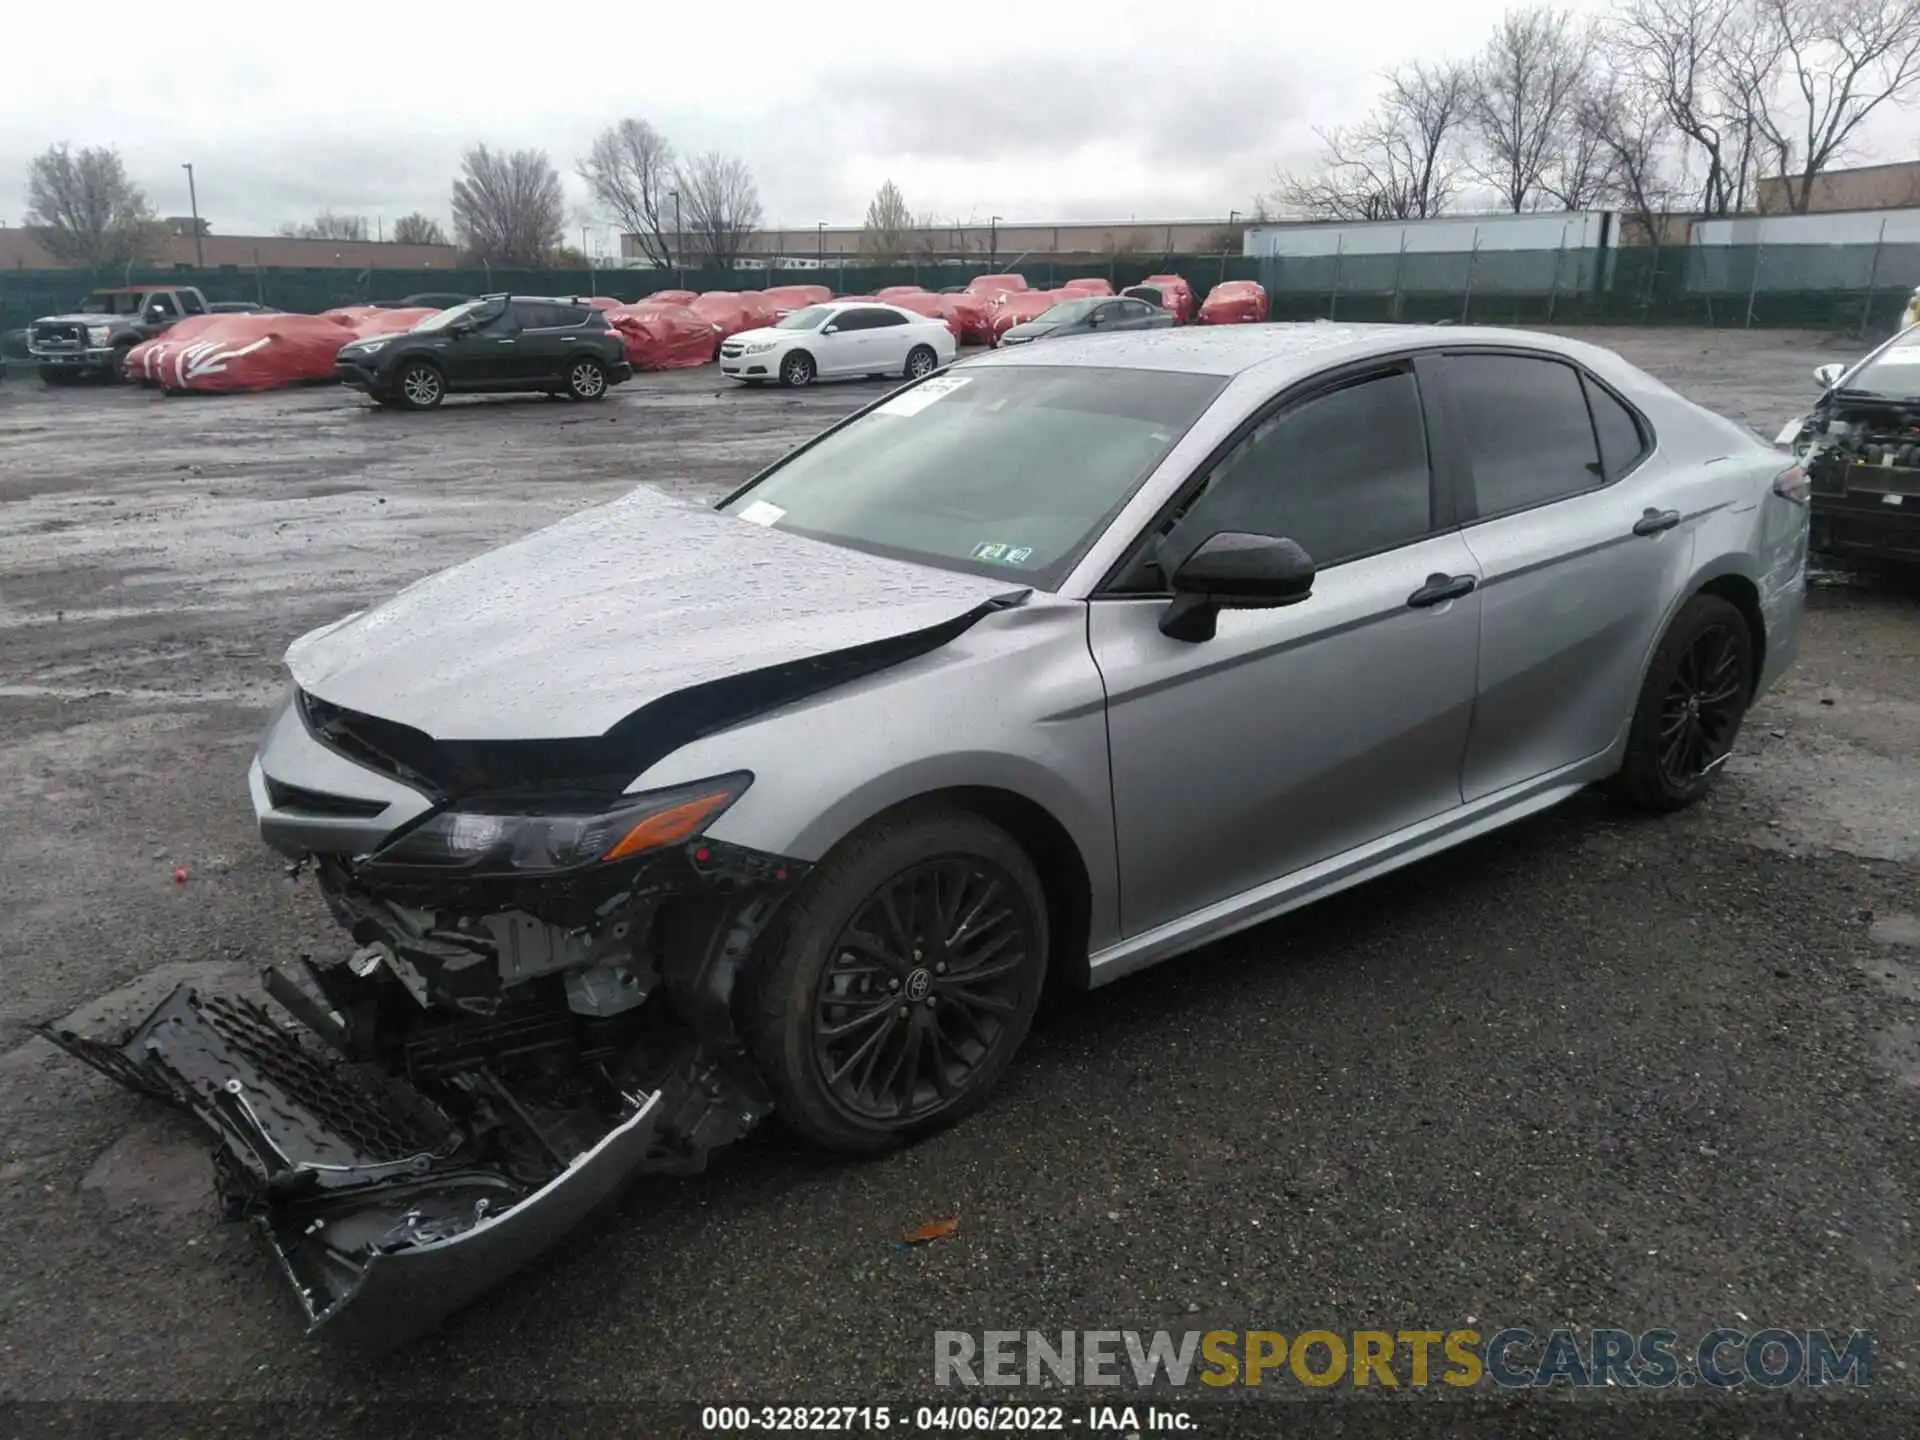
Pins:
<point x="664" y="337"/>
<point x="392" y="322"/>
<point x="895" y="294"/>
<point x="349" y="315"/>
<point x="1235" y="302"/>
<point x="972" y="311"/>
<point x="1175" y="295"/>
<point x="725" y="309"/>
<point x="798" y="297"/>
<point x="142" y="362"/>
<point x="1088" y="285"/>
<point x="252" y="352"/>
<point x="936" y="307"/>
<point x="668" y="297"/>
<point x="996" y="284"/>
<point x="1017" y="309"/>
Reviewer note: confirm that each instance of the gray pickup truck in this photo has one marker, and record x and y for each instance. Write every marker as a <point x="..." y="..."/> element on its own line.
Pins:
<point x="95" y="338"/>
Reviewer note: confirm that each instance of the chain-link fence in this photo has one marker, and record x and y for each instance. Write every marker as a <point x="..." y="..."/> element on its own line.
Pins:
<point x="1855" y="289"/>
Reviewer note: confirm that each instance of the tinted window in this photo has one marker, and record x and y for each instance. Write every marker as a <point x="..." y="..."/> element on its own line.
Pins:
<point x="535" y="316"/>
<point x="1008" y="470"/>
<point x="849" y="320"/>
<point x="1134" y="309"/>
<point x="880" y="319"/>
<point x="1621" y="443"/>
<point x="190" y="303"/>
<point x="1344" y="474"/>
<point x="1528" y="435"/>
<point x="164" y="304"/>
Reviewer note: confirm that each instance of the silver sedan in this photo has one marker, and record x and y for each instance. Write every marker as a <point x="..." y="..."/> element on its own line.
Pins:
<point x="1046" y="667"/>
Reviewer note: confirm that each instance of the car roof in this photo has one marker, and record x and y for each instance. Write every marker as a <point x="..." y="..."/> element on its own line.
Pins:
<point x="1230" y="350"/>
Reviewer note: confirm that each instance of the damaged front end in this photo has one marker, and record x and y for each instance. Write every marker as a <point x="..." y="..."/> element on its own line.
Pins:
<point x="1862" y="457"/>
<point x="538" y="1008"/>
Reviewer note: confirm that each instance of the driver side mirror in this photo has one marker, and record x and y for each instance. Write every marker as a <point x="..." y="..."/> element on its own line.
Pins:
<point x="1094" y="322"/>
<point x="155" y="315"/>
<point x="460" y="330"/>
<point x="1233" y="570"/>
<point x="1827" y="374"/>
<point x="829" y="329"/>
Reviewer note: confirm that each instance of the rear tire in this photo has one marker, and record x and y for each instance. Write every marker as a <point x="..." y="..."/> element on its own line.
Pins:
<point x="419" y="386"/>
<point x="898" y="984"/>
<point x="1690" y="708"/>
<point x="587" y="379"/>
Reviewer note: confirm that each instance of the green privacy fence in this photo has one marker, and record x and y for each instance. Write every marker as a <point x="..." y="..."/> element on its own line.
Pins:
<point x="1850" y="288"/>
<point x="1857" y="289"/>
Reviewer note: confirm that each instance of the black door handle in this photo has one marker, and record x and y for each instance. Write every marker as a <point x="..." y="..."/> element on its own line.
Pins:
<point x="1440" y="588"/>
<point x="1654" y="521"/>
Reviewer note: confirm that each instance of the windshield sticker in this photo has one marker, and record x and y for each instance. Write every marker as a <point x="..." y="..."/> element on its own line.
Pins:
<point x="923" y="395"/>
<point x="1002" y="554"/>
<point x="761" y="513"/>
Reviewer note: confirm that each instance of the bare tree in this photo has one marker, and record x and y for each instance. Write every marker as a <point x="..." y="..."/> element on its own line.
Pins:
<point x="630" y="173"/>
<point x="83" y="210"/>
<point x="1526" y="88"/>
<point x="888" y="234"/>
<point x="1581" y="173"/>
<point x="1842" y="60"/>
<point x="722" y="205"/>
<point x="508" y="208"/>
<point x="1700" y="61"/>
<point x="328" y="226"/>
<point x="1398" y="164"/>
<point x="924" y="246"/>
<point x="418" y="229"/>
<point x="1635" y="135"/>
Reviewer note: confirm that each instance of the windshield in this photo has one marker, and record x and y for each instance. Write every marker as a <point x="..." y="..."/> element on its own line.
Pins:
<point x="999" y="469"/>
<point x="1067" y="311"/>
<point x="474" y="312"/>
<point x="1895" y="372"/>
<point x="810" y="318"/>
<point x="108" y="302"/>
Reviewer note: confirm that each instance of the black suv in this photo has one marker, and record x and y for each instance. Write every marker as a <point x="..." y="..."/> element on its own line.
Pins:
<point x="495" y="343"/>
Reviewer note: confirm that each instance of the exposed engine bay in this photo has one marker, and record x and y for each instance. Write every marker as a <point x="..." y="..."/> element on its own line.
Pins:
<point x="511" y="1037"/>
<point x="1865" y="448"/>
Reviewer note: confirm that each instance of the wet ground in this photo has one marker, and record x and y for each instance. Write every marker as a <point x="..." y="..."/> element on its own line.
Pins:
<point x="1595" y="1069"/>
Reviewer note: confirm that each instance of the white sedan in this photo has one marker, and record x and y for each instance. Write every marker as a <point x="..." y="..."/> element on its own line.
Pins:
<point x="837" y="341"/>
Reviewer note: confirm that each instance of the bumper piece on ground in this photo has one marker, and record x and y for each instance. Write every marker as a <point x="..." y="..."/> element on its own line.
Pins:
<point x="373" y="1200"/>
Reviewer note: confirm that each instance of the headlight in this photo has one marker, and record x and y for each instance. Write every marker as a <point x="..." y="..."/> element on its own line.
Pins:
<point x="494" y="838"/>
<point x="368" y="347"/>
<point x="760" y="347"/>
<point x="99" y="334"/>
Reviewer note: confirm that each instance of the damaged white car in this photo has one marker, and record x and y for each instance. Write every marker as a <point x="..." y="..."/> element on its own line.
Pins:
<point x="1051" y="665"/>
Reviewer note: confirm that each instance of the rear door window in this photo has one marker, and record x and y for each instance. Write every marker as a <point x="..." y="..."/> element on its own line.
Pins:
<point x="1529" y="437"/>
<point x="190" y="303"/>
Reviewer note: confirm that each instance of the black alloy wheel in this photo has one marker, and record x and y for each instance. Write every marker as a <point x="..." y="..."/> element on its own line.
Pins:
<point x="921" y="985"/>
<point x="1690" y="708"/>
<point x="899" y="981"/>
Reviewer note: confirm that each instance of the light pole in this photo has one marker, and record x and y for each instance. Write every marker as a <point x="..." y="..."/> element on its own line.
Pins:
<point x="993" y="242"/>
<point x="679" y="254"/>
<point x="820" y="245"/>
<point x="1232" y="215"/>
<point x="193" y="204"/>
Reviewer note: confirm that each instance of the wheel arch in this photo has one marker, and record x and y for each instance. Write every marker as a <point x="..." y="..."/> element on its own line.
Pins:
<point x="1065" y="878"/>
<point x="1740" y="592"/>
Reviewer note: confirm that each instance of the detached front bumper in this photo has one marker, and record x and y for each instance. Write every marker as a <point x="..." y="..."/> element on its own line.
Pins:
<point x="369" y="1195"/>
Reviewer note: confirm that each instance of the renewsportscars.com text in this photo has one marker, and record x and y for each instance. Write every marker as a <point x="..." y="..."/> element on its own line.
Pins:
<point x="1513" y="1358"/>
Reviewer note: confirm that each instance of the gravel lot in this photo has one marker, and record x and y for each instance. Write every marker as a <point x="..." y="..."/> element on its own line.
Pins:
<point x="1594" y="1069"/>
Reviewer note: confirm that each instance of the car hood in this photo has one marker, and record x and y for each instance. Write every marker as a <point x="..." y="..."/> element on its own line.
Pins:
<point x="87" y="320"/>
<point x="563" y="634"/>
<point x="1027" y="330"/>
<point x="764" y="332"/>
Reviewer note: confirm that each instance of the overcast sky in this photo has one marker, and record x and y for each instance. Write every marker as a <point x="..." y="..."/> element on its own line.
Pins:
<point x="1063" y="110"/>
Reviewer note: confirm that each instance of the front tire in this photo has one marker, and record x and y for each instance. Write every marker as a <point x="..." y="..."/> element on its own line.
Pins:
<point x="419" y="386"/>
<point x="901" y="981"/>
<point x="797" y="370"/>
<point x="1690" y="708"/>
<point x="921" y="362"/>
<point x="587" y="380"/>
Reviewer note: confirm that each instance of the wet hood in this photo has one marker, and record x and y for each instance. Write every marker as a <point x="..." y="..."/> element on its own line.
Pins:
<point x="77" y="319"/>
<point x="1027" y="330"/>
<point x="565" y="633"/>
